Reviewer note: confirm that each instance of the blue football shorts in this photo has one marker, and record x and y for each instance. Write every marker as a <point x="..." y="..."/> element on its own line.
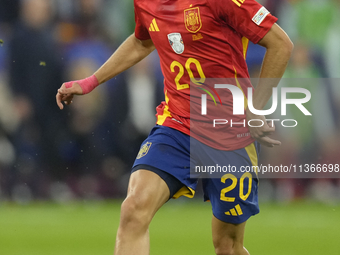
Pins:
<point x="233" y="195"/>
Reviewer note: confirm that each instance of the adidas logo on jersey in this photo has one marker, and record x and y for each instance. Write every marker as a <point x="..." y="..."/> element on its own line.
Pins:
<point x="237" y="211"/>
<point x="153" y="26"/>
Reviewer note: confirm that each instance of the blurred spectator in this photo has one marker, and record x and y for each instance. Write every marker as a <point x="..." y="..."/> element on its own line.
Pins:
<point x="118" y="19"/>
<point x="142" y="97"/>
<point x="288" y="17"/>
<point x="332" y="57"/>
<point x="307" y="21"/>
<point x="304" y="73"/>
<point x="8" y="124"/>
<point x="79" y="20"/>
<point x="34" y="75"/>
<point x="95" y="144"/>
<point x="332" y="46"/>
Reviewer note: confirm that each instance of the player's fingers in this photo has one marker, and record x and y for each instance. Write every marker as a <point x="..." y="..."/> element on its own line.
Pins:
<point x="65" y="91"/>
<point x="268" y="131"/>
<point x="271" y="124"/>
<point x="269" y="127"/>
<point x="70" y="88"/>
<point x="67" y="99"/>
<point x="59" y="101"/>
<point x="265" y="130"/>
<point x="259" y="132"/>
<point x="268" y="142"/>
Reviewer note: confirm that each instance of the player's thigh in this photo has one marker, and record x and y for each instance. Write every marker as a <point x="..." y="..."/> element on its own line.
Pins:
<point x="166" y="152"/>
<point x="147" y="192"/>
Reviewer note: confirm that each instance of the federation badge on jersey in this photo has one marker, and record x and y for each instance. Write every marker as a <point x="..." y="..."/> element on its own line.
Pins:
<point x="192" y="19"/>
<point x="144" y="150"/>
<point x="176" y="42"/>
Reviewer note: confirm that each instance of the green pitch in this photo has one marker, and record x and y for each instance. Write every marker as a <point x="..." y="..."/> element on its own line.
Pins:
<point x="181" y="227"/>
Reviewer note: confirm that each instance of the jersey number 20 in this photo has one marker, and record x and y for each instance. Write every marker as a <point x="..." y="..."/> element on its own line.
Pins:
<point x="180" y="74"/>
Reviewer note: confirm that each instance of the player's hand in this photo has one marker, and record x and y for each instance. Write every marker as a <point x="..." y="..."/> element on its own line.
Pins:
<point x="65" y="93"/>
<point x="261" y="134"/>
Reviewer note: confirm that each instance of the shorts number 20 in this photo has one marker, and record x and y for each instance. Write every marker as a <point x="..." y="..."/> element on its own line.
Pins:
<point x="233" y="185"/>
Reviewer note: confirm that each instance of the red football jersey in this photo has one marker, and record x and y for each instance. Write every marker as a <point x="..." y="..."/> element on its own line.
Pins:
<point x="197" y="40"/>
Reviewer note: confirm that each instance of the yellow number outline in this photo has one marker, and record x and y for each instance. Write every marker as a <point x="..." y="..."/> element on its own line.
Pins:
<point x="233" y="178"/>
<point x="179" y="75"/>
<point x="229" y="188"/>
<point x="189" y="71"/>
<point x="250" y="177"/>
<point x="199" y="70"/>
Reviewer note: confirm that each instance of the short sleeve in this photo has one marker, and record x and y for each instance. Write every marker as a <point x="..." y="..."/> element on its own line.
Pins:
<point x="141" y="32"/>
<point x="247" y="17"/>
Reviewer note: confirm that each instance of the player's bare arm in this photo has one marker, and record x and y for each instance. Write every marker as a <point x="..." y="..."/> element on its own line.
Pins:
<point x="131" y="51"/>
<point x="128" y="54"/>
<point x="279" y="48"/>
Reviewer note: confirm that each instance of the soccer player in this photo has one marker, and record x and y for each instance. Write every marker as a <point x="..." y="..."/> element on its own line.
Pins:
<point x="195" y="40"/>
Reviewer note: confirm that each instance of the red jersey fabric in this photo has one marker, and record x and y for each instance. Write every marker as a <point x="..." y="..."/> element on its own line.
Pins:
<point x="198" y="40"/>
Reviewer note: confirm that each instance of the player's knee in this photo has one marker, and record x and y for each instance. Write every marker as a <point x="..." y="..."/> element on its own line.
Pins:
<point x="220" y="250"/>
<point x="229" y="249"/>
<point x="135" y="213"/>
<point x="228" y="246"/>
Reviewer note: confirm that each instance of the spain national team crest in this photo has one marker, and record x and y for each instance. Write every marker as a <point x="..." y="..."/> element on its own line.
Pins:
<point x="192" y="19"/>
<point x="144" y="150"/>
<point x="176" y="42"/>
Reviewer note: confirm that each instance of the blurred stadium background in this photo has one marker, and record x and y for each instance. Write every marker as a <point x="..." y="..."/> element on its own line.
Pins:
<point x="59" y="169"/>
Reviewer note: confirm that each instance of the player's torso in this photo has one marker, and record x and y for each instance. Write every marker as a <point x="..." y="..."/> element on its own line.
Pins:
<point x="193" y="45"/>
